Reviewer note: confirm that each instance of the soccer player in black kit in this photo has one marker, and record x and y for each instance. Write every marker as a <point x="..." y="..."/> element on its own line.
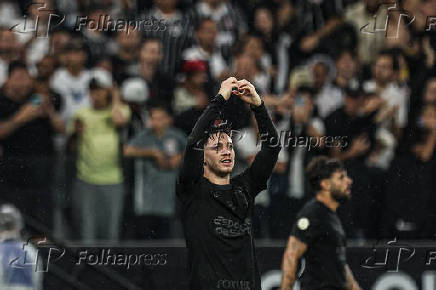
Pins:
<point x="217" y="209"/>
<point x="318" y="235"/>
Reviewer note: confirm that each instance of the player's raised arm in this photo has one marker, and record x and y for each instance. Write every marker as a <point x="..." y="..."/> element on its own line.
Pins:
<point x="265" y="160"/>
<point x="294" y="250"/>
<point x="192" y="165"/>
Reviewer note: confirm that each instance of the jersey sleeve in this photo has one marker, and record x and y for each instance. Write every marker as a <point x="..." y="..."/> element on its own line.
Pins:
<point x="306" y="228"/>
<point x="257" y="175"/>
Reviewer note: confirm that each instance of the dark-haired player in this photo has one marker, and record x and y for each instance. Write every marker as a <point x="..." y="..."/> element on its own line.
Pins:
<point x="317" y="235"/>
<point x="218" y="209"/>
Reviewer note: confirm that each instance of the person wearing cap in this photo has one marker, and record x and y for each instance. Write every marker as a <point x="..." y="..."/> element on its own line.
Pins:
<point x="217" y="210"/>
<point x="192" y="90"/>
<point x="98" y="197"/>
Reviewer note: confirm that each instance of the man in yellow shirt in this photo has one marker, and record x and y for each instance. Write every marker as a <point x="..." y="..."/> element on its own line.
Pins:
<point x="98" y="194"/>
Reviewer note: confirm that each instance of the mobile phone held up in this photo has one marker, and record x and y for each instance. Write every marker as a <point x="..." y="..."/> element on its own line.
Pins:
<point x="36" y="100"/>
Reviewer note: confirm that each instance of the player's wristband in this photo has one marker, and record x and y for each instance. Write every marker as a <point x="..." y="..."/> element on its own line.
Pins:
<point x="255" y="108"/>
<point x="219" y="99"/>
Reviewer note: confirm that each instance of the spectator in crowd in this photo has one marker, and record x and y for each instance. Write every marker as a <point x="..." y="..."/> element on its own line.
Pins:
<point x="330" y="94"/>
<point x="264" y="27"/>
<point x="247" y="145"/>
<point x="125" y="60"/>
<point x="28" y="123"/>
<point x="410" y="191"/>
<point x="60" y="38"/>
<point x="303" y="139"/>
<point x="98" y="192"/>
<point x="135" y="93"/>
<point x="158" y="152"/>
<point x="9" y="12"/>
<point x="206" y="49"/>
<point x="361" y="15"/>
<point x="316" y="23"/>
<point x="276" y="43"/>
<point x="10" y="50"/>
<point x="193" y="88"/>
<point x="353" y="128"/>
<point x="328" y="97"/>
<point x="185" y="121"/>
<point x="45" y="69"/>
<point x="252" y="47"/>
<point x="428" y="97"/>
<point x="72" y="80"/>
<point x="347" y="67"/>
<point x="230" y="22"/>
<point x="93" y="35"/>
<point x="160" y="85"/>
<point x="174" y="29"/>
<point x="396" y="100"/>
<point x="20" y="266"/>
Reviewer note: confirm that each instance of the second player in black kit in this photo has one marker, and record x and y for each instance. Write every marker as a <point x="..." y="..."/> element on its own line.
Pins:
<point x="318" y="236"/>
<point x="216" y="209"/>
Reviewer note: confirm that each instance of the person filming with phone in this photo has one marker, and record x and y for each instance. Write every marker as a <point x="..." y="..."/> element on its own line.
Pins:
<point x="28" y="122"/>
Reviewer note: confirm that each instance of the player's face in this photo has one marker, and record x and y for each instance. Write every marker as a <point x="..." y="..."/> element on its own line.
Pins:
<point x="340" y="186"/>
<point x="219" y="154"/>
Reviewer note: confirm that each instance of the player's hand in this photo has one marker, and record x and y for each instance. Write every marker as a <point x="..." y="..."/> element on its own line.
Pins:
<point x="227" y="86"/>
<point x="247" y="93"/>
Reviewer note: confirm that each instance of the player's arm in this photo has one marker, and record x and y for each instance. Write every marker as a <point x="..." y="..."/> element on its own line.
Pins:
<point x="351" y="282"/>
<point x="294" y="251"/>
<point x="192" y="167"/>
<point x="263" y="164"/>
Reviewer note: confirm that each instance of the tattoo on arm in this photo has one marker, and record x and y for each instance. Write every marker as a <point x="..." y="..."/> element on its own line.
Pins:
<point x="294" y="251"/>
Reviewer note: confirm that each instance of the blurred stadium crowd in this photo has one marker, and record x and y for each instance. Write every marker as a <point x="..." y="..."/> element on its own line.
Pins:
<point x="98" y="96"/>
